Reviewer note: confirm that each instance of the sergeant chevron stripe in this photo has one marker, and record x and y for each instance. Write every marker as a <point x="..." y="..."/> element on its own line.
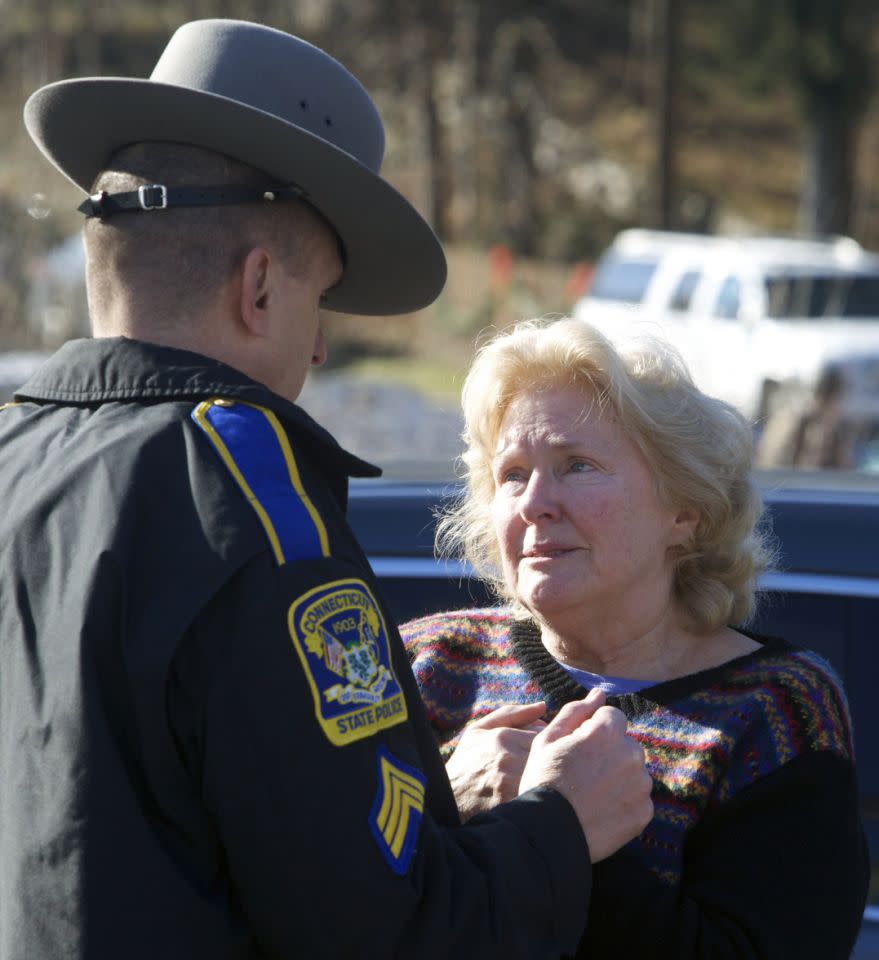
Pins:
<point x="396" y="812"/>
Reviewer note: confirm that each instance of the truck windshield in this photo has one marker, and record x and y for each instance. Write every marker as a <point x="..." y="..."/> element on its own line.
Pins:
<point x="622" y="278"/>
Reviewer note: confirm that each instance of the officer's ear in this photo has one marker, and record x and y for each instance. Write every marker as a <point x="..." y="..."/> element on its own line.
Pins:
<point x="256" y="290"/>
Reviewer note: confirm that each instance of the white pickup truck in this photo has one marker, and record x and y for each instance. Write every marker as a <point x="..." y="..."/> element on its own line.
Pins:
<point x="754" y="317"/>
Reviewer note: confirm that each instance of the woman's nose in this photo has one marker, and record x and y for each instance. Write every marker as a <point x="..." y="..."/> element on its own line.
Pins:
<point x="539" y="500"/>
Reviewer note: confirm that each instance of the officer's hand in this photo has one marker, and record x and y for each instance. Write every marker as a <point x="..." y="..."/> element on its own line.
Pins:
<point x="584" y="753"/>
<point x="487" y="765"/>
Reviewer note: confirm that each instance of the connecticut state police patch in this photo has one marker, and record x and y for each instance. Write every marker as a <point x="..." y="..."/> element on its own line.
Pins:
<point x="342" y="641"/>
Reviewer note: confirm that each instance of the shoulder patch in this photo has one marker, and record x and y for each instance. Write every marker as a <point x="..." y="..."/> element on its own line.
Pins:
<point x="397" y="810"/>
<point x="341" y="638"/>
<point x="253" y="445"/>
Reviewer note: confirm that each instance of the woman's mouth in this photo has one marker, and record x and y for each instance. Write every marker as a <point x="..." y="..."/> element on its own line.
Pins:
<point x="546" y="553"/>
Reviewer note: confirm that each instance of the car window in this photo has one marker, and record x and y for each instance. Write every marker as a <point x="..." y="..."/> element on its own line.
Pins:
<point x="849" y="295"/>
<point x="728" y="299"/>
<point x="683" y="292"/>
<point x="862" y="297"/>
<point x="623" y="278"/>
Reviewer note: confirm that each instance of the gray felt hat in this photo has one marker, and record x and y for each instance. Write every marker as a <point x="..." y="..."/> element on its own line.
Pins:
<point x="279" y="104"/>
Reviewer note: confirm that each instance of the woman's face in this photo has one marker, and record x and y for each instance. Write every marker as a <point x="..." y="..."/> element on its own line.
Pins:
<point x="582" y="532"/>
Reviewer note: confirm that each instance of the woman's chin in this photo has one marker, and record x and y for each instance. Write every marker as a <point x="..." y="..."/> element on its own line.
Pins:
<point x="548" y="600"/>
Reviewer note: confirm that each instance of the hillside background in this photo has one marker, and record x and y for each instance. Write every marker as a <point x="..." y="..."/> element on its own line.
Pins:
<point x="528" y="134"/>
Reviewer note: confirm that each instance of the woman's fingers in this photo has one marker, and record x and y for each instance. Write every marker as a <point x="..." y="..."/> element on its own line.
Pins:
<point x="573" y="714"/>
<point x="518" y="715"/>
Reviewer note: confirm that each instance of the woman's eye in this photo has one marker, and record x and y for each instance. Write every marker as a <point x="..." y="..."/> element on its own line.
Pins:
<point x="511" y="476"/>
<point x="580" y="466"/>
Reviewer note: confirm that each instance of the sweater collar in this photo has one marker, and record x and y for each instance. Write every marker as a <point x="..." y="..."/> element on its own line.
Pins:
<point x="558" y="687"/>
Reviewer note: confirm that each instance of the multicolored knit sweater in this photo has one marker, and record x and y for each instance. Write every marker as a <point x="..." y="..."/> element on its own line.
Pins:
<point x="755" y="848"/>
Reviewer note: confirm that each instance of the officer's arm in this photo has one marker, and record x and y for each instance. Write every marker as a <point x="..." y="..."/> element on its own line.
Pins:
<point x="310" y="757"/>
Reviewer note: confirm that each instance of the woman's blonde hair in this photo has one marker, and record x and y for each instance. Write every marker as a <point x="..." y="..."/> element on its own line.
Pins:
<point x="699" y="450"/>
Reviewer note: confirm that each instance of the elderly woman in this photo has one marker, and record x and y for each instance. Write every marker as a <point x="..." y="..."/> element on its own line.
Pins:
<point x="611" y="505"/>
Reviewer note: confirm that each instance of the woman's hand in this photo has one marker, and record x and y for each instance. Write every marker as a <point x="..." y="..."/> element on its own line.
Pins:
<point x="586" y="754"/>
<point x="487" y="765"/>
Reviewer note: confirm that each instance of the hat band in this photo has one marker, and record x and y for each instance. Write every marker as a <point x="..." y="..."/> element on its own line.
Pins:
<point x="157" y="196"/>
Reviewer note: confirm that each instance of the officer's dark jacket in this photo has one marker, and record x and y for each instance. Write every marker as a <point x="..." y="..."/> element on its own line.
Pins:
<point x="211" y="744"/>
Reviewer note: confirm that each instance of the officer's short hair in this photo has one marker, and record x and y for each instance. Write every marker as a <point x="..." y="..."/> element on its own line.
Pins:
<point x="177" y="260"/>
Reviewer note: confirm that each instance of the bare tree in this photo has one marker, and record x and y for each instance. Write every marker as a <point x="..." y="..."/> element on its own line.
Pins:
<point x="662" y="100"/>
<point x="831" y="57"/>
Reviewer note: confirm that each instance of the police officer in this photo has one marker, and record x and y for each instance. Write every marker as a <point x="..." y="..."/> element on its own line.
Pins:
<point x="210" y="742"/>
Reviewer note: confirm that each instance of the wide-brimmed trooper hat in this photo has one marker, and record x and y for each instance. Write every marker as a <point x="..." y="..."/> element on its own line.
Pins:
<point x="275" y="102"/>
